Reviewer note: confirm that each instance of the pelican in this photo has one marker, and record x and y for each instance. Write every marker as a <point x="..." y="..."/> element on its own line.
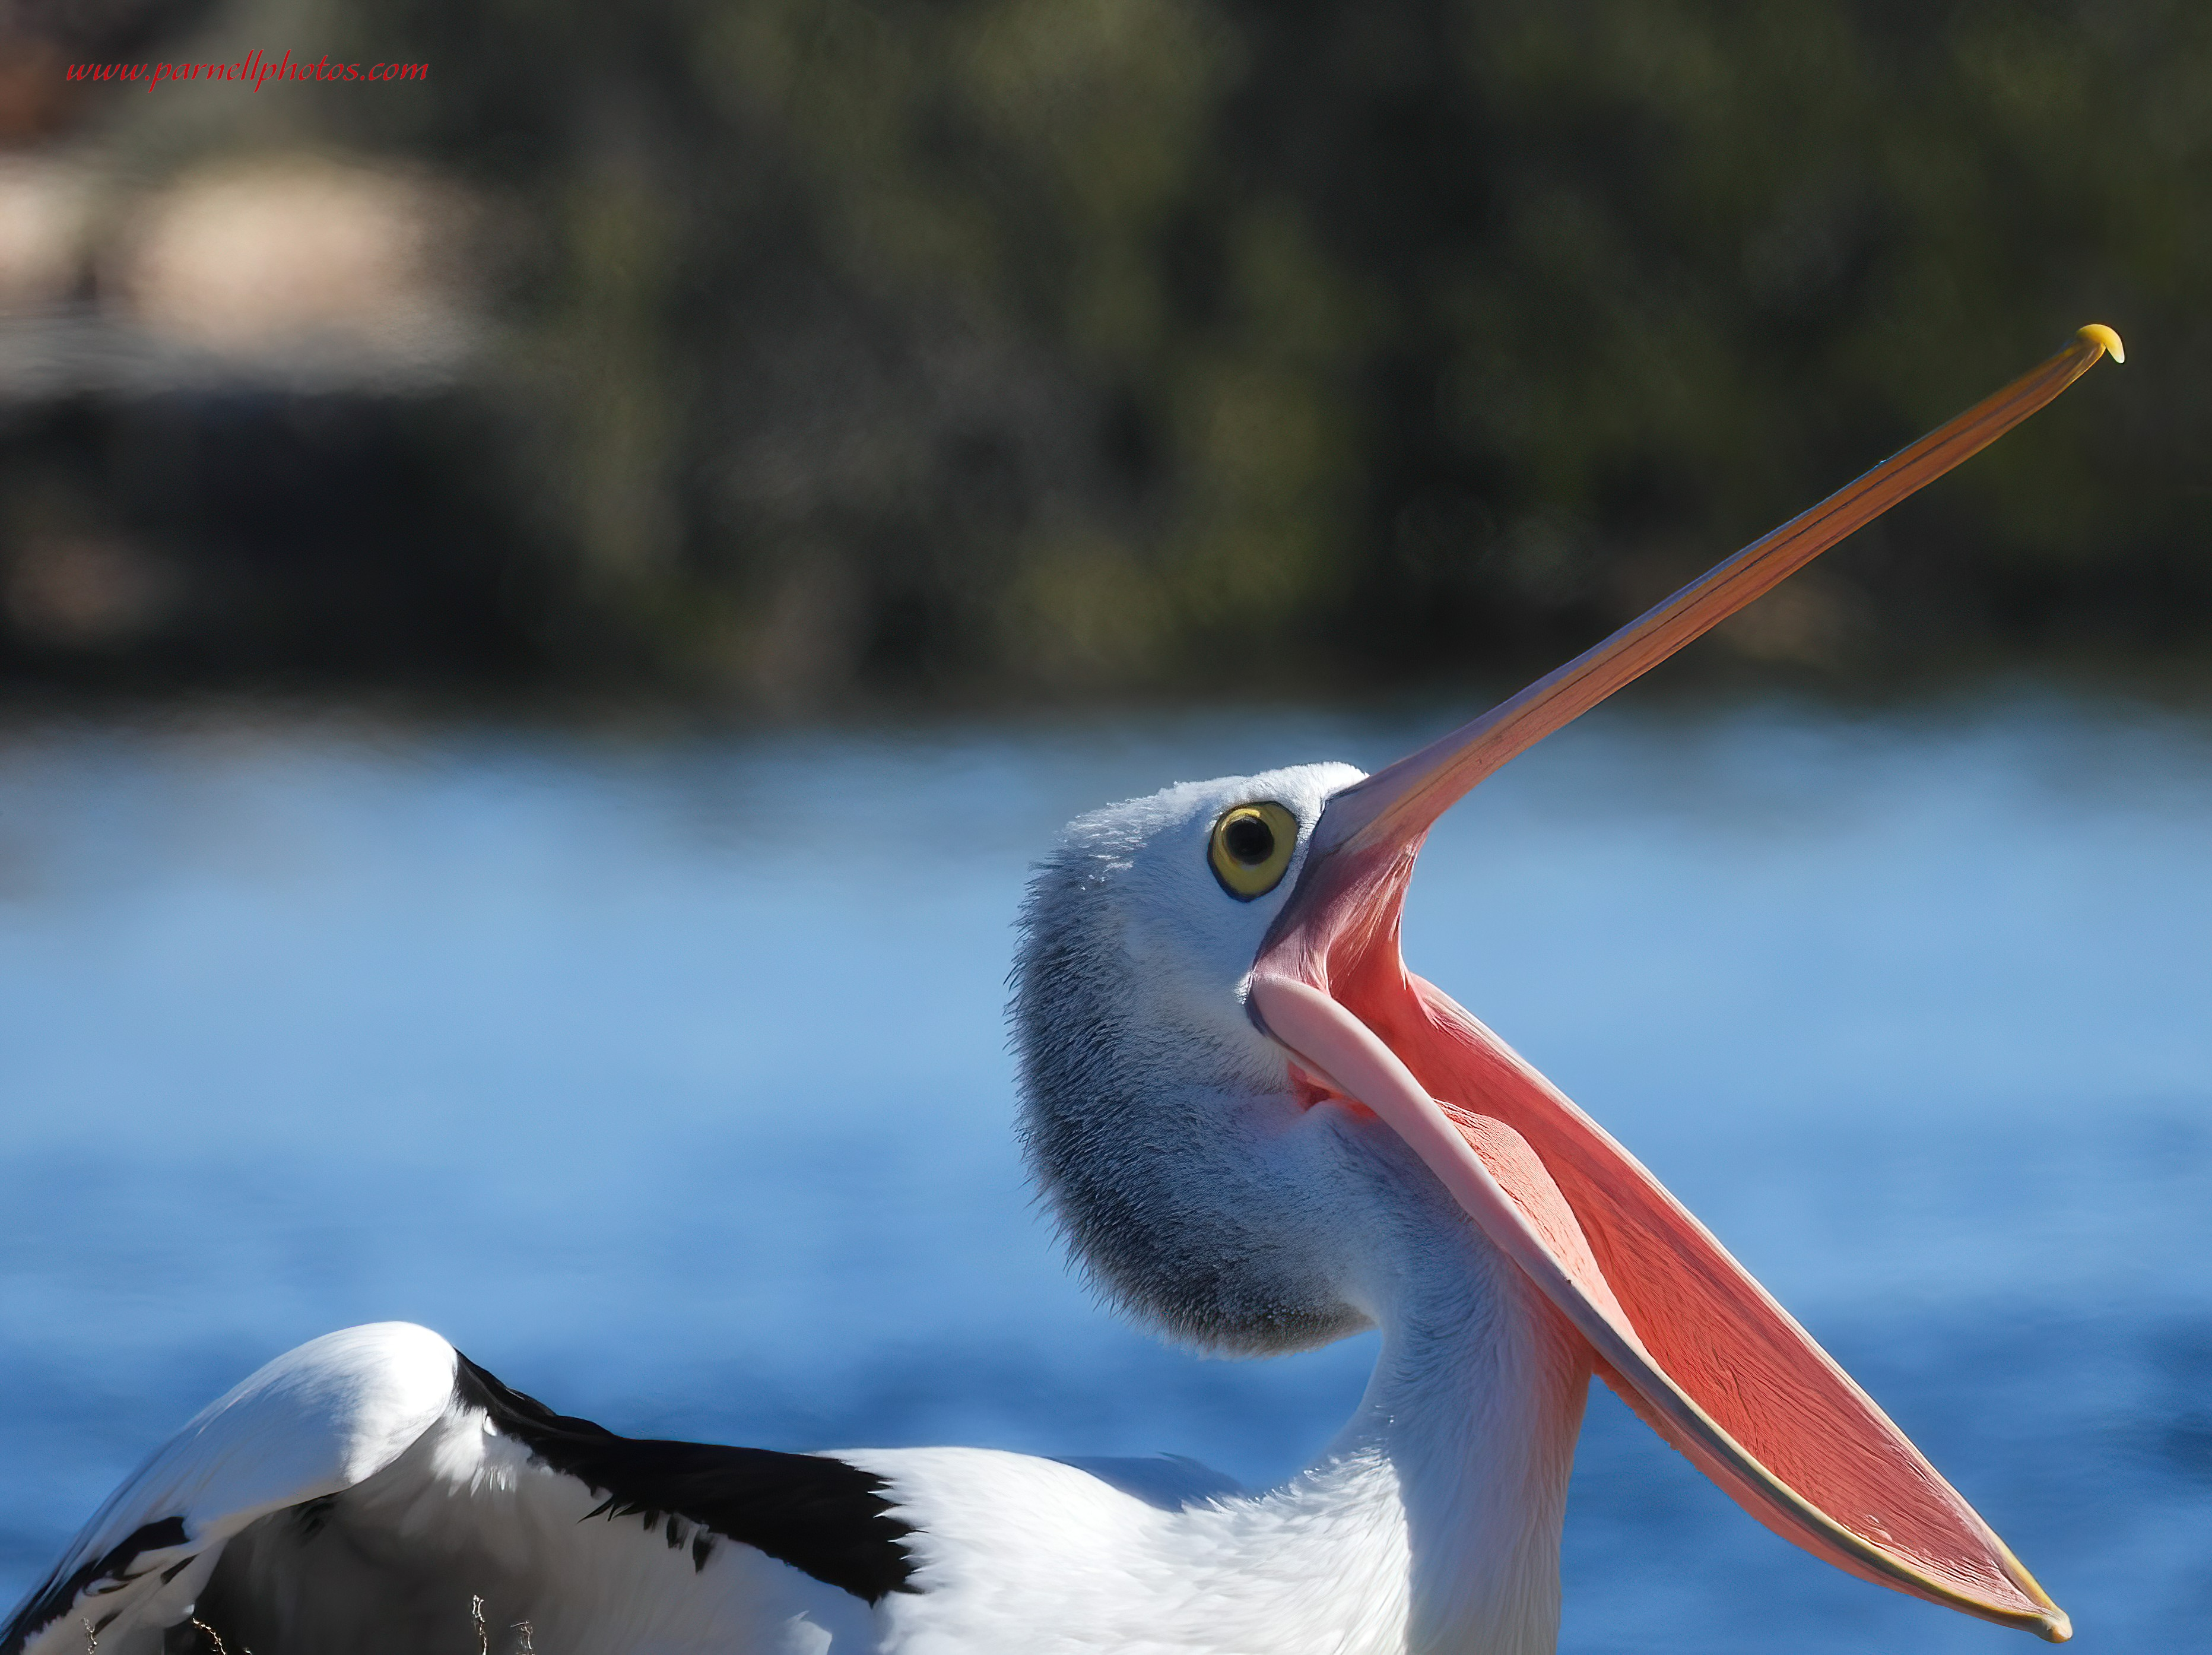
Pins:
<point x="1259" y="1132"/>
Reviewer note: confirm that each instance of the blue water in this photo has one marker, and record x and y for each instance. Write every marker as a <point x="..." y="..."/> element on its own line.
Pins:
<point x="667" y="1077"/>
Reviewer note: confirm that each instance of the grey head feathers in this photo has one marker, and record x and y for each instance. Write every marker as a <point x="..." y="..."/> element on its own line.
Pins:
<point x="1196" y="1189"/>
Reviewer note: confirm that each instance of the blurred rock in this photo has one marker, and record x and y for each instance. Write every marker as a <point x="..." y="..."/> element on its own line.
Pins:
<point x="290" y="259"/>
<point x="43" y="210"/>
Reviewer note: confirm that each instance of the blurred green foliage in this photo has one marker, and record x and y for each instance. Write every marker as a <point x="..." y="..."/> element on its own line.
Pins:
<point x="977" y="345"/>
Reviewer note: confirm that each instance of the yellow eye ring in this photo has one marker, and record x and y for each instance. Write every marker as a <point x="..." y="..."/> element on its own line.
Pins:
<point x="1251" y="847"/>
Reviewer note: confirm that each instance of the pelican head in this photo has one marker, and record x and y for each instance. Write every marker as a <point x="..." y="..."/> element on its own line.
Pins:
<point x="1162" y="1122"/>
<point x="1255" y="1126"/>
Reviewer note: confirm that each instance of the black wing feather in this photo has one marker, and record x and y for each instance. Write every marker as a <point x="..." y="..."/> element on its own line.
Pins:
<point x="822" y="1516"/>
<point x="59" y="1592"/>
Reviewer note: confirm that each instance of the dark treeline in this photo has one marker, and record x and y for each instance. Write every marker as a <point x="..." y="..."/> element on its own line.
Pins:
<point x="887" y="347"/>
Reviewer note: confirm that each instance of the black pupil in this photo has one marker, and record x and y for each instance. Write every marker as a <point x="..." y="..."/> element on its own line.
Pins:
<point x="1249" y="840"/>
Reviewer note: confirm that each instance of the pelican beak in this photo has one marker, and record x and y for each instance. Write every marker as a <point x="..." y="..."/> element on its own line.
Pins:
<point x="1702" y="1353"/>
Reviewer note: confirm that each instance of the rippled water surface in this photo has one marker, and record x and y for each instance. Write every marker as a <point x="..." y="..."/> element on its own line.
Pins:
<point x="668" y="1078"/>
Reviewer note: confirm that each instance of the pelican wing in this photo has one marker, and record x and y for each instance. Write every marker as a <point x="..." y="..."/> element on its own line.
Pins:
<point x="376" y="1490"/>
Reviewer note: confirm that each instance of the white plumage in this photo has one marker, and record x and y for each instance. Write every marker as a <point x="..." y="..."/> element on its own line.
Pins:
<point x="356" y="1502"/>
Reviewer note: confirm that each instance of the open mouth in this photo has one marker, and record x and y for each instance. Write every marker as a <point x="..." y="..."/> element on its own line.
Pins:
<point x="1702" y="1353"/>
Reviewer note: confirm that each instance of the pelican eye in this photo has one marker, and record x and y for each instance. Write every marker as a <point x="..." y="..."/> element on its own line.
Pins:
<point x="1250" y="848"/>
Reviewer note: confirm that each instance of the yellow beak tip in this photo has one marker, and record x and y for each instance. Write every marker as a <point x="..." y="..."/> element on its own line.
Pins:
<point x="2097" y="334"/>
